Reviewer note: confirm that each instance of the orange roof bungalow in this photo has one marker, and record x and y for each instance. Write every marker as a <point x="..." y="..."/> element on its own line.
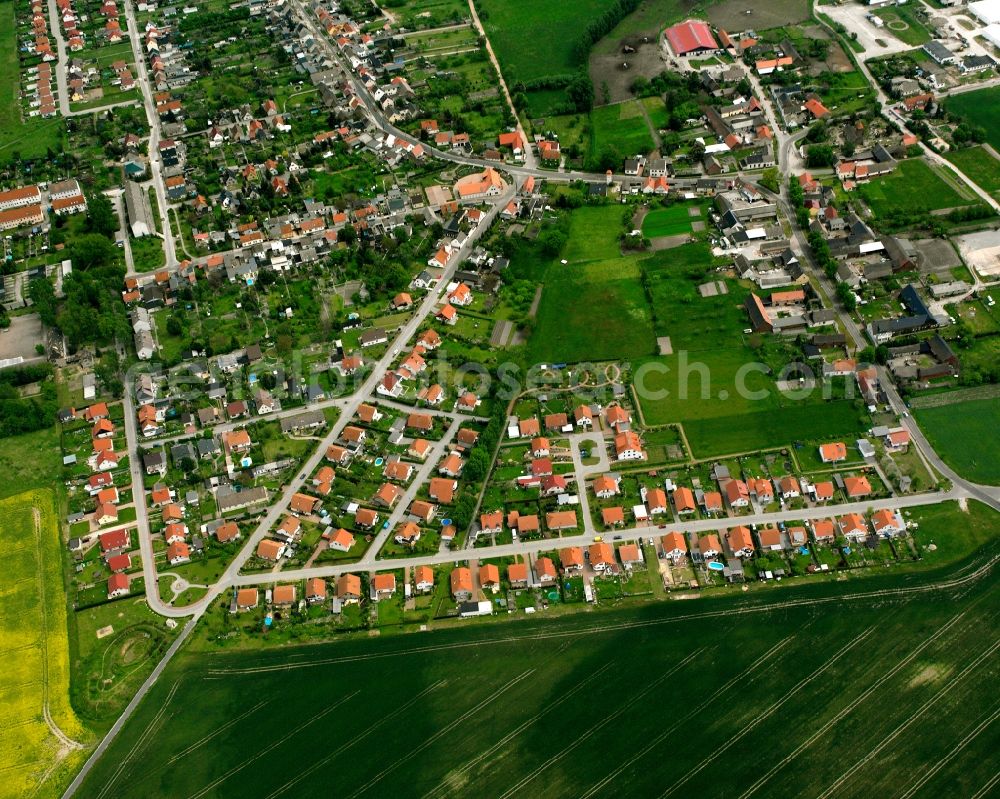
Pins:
<point x="546" y="571"/>
<point x="737" y="493"/>
<point x="407" y="535"/>
<point x="365" y="517"/>
<point x="833" y="453"/>
<point x="489" y="577"/>
<point x="823" y="492"/>
<point x="383" y="586"/>
<point x="770" y="538"/>
<point x="853" y="526"/>
<point x="349" y="589"/>
<point x="674" y="545"/>
<point x="612" y="517"/>
<point x="602" y="557"/>
<point x="491" y="523"/>
<point x="442" y="489"/>
<point x="816" y="109"/>
<point x="229" y="531"/>
<point x="709" y="546"/>
<point x="271" y="550"/>
<point x="517" y="575"/>
<point x="571" y="559"/>
<point x="712" y="501"/>
<point x="527" y="523"/>
<point x="656" y="501"/>
<point x="630" y="556"/>
<point x="340" y="540"/>
<point x="315" y="590"/>
<point x="684" y="500"/>
<point x="388" y="495"/>
<point x="423" y="579"/>
<point x="740" y="542"/>
<point x="303" y="504"/>
<point x="887" y="523"/>
<point x="857" y="487"/>
<point x="461" y="584"/>
<point x="420" y="421"/>
<point x="561" y="520"/>
<point x="419" y="448"/>
<point x="117" y="585"/>
<point x="823" y="530"/>
<point x="247" y="599"/>
<point x="283" y="596"/>
<point x="337" y="454"/>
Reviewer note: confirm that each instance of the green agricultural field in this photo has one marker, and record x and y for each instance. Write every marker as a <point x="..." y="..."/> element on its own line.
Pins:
<point x="822" y="683"/>
<point x="959" y="433"/>
<point x="672" y="221"/>
<point x="27" y="137"/>
<point x="978" y="164"/>
<point x="516" y="30"/>
<point x="592" y="312"/>
<point x="981" y="107"/>
<point x="593" y="234"/>
<point x="36" y="678"/>
<point x="621" y="128"/>
<point x="913" y="187"/>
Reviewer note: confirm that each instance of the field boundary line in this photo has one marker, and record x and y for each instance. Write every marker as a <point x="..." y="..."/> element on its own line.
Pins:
<point x="442" y="786"/>
<point x="971" y="736"/>
<point x="976" y="573"/>
<point x="888" y="739"/>
<point x="442" y="732"/>
<point x="857" y="701"/>
<point x="955" y="397"/>
<point x="271" y="747"/>
<point x="139" y="742"/>
<point x="360" y="736"/>
<point x="741" y="678"/>
<point x="766" y="713"/>
<point x="593" y="729"/>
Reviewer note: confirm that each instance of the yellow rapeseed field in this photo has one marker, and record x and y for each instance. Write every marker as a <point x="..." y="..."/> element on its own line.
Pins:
<point x="39" y="752"/>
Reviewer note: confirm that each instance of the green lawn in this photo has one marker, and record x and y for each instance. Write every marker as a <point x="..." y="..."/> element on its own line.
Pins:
<point x="593" y="234"/>
<point x="592" y="312"/>
<point x="960" y="433"/>
<point x="858" y="673"/>
<point x="981" y="107"/>
<point x="29" y="461"/>
<point x="672" y="221"/>
<point x="28" y="137"/>
<point x="913" y="187"/>
<point x="517" y="32"/>
<point x="979" y="165"/>
<point x="622" y="128"/>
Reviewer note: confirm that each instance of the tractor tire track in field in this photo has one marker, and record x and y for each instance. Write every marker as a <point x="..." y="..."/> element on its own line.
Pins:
<point x="271" y="747"/>
<point x="442" y="732"/>
<point x="206" y="738"/>
<point x="593" y="730"/>
<point x="944" y="761"/>
<point x="857" y="701"/>
<point x="359" y="737"/>
<point x="892" y="736"/>
<point x="767" y="712"/>
<point x="972" y="576"/>
<point x="153" y="725"/>
<point x="443" y="786"/>
<point x="991" y="783"/>
<point x="743" y="678"/>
